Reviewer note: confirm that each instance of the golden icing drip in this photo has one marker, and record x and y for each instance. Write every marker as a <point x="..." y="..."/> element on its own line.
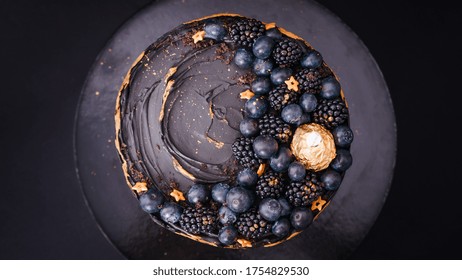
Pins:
<point x="244" y="243"/>
<point x="293" y="235"/>
<point x="169" y="85"/>
<point x="270" y="25"/>
<point x="140" y="187"/>
<point x="177" y="195"/>
<point x="261" y="169"/>
<point x="180" y="169"/>
<point x="313" y="146"/>
<point x="292" y="84"/>
<point x="199" y="36"/>
<point x="212" y="16"/>
<point x="170" y="73"/>
<point x="318" y="204"/>
<point x="246" y="94"/>
<point x="291" y="35"/>
<point x="196" y="238"/>
<point x="118" y="118"/>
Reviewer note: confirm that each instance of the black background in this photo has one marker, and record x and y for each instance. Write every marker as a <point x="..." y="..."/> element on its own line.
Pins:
<point x="47" y="48"/>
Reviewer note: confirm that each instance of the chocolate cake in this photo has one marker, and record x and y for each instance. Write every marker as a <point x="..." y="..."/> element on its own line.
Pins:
<point x="232" y="132"/>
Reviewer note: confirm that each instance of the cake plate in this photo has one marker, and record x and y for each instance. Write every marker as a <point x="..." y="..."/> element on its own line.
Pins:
<point x="339" y="229"/>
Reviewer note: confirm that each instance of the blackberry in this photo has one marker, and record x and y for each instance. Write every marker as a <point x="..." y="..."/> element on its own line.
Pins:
<point x="286" y="52"/>
<point x="280" y="96"/>
<point x="331" y="113"/>
<point x="310" y="80"/>
<point x="243" y="151"/>
<point x="200" y="220"/>
<point x="245" y="31"/>
<point x="271" y="184"/>
<point x="305" y="192"/>
<point x="252" y="226"/>
<point x="276" y="127"/>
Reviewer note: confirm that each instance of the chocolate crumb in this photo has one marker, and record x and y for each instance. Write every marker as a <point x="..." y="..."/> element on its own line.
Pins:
<point x="224" y="53"/>
<point x="136" y="174"/>
<point x="246" y="79"/>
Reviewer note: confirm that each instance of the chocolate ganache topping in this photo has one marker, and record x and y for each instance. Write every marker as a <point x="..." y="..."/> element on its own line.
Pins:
<point x="181" y="114"/>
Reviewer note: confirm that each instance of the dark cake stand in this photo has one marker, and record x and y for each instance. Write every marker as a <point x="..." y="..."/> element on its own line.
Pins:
<point x="353" y="211"/>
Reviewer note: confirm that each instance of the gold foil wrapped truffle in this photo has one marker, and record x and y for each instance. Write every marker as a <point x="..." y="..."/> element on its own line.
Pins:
<point x="313" y="146"/>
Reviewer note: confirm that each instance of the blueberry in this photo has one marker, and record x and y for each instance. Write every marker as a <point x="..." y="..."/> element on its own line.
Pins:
<point x="263" y="67"/>
<point x="215" y="31"/>
<point x="312" y="60"/>
<point x="249" y="127"/>
<point x="342" y="161"/>
<point x="265" y="146"/>
<point x="247" y="178"/>
<point x="292" y="113"/>
<point x="263" y="47"/>
<point x="301" y="218"/>
<point x="243" y="58"/>
<point x="171" y="212"/>
<point x="305" y="118"/>
<point x="239" y="199"/>
<point x="343" y="136"/>
<point x="274" y="33"/>
<point x="227" y="235"/>
<point x="226" y="215"/>
<point x="281" y="160"/>
<point x="331" y="180"/>
<point x="297" y="171"/>
<point x="270" y="209"/>
<point x="256" y="107"/>
<point x="330" y="88"/>
<point x="219" y="192"/>
<point x="281" y="227"/>
<point x="308" y="102"/>
<point x="198" y="193"/>
<point x="286" y="207"/>
<point x="261" y="85"/>
<point x="280" y="75"/>
<point x="151" y="201"/>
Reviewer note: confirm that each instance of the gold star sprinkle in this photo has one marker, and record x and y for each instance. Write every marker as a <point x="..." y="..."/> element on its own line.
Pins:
<point x="140" y="187"/>
<point x="247" y="94"/>
<point x="244" y="243"/>
<point x="292" y="84"/>
<point x="199" y="36"/>
<point x="261" y="169"/>
<point x="318" y="204"/>
<point x="177" y="195"/>
<point x="270" y="25"/>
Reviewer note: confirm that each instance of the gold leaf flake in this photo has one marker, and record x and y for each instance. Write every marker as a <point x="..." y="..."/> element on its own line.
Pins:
<point x="261" y="169"/>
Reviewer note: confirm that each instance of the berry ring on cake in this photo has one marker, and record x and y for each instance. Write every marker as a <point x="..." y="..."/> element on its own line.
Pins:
<point x="232" y="132"/>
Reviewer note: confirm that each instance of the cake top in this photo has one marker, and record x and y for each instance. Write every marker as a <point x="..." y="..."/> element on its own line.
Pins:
<point x="232" y="132"/>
